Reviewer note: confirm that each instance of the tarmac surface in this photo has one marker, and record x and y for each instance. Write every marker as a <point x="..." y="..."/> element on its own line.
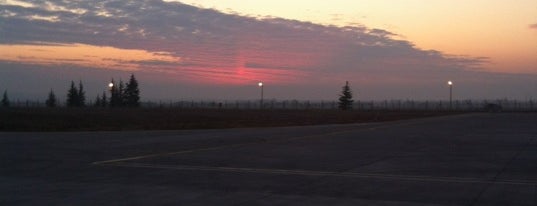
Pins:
<point x="471" y="159"/>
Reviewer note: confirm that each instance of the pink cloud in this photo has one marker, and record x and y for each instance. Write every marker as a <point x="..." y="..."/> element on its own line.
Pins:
<point x="533" y="26"/>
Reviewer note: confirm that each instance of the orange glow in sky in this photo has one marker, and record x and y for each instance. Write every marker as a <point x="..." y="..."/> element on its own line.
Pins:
<point x="132" y="60"/>
<point x="83" y="55"/>
<point x="395" y="49"/>
<point x="496" y="29"/>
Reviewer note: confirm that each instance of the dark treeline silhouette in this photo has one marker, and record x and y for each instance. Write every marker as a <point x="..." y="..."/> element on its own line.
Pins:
<point x="5" y="99"/>
<point x="51" y="100"/>
<point x="131" y="95"/>
<point x="76" y="97"/>
<point x="116" y="94"/>
<point x="101" y="101"/>
<point x="122" y="95"/>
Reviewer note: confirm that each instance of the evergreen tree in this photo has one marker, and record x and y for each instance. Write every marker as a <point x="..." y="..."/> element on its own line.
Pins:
<point x="112" y="93"/>
<point x="51" y="100"/>
<point x="5" y="100"/>
<point x="132" y="93"/>
<point x="97" y="102"/>
<point x="81" y="101"/>
<point x="121" y="93"/>
<point x="104" y="100"/>
<point x="72" y="96"/>
<point x="345" y="98"/>
<point x="124" y="94"/>
<point x="116" y="94"/>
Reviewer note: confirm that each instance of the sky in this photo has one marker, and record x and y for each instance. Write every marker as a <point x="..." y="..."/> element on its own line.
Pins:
<point x="221" y="49"/>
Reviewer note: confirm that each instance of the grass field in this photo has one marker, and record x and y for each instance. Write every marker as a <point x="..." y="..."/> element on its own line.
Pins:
<point x="99" y="119"/>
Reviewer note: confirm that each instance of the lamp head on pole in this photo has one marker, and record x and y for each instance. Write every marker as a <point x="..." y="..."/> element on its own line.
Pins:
<point x="111" y="85"/>
<point x="450" y="83"/>
<point x="260" y="84"/>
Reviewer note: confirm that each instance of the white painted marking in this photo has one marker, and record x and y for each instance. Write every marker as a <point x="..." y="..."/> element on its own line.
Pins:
<point x="462" y="180"/>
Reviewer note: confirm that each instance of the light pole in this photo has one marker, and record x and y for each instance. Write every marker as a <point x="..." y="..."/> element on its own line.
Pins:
<point x="450" y="83"/>
<point x="112" y="101"/>
<point x="111" y="88"/>
<point x="261" y="85"/>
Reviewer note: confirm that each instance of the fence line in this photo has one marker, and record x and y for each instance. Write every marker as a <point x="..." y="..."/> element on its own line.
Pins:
<point x="388" y="105"/>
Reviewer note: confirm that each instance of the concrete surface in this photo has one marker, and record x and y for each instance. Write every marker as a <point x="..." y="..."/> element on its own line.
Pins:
<point x="473" y="159"/>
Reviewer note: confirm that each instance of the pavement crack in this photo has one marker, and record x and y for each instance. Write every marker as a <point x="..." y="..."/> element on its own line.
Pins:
<point x="494" y="180"/>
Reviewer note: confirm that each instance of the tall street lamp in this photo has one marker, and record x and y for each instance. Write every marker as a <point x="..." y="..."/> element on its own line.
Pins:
<point x="450" y="83"/>
<point x="112" y="101"/>
<point x="111" y="88"/>
<point x="261" y="85"/>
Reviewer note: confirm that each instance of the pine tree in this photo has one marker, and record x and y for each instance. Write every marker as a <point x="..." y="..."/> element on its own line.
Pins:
<point x="113" y="95"/>
<point x="81" y="101"/>
<point x="104" y="100"/>
<point x="5" y="100"/>
<point x="97" y="102"/>
<point x="121" y="94"/>
<point x="72" y="96"/>
<point x="116" y="96"/>
<point x="51" y="100"/>
<point x="345" y="98"/>
<point x="132" y="93"/>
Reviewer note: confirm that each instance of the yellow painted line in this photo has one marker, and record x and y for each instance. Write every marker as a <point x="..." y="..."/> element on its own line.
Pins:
<point x="364" y="127"/>
<point x="169" y="153"/>
<point x="215" y="148"/>
<point x="219" y="147"/>
<point x="331" y="174"/>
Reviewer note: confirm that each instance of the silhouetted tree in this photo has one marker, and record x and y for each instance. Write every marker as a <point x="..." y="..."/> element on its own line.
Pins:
<point x="104" y="100"/>
<point x="114" y="102"/>
<point x="124" y="94"/>
<point x="5" y="100"/>
<point x="51" y="100"/>
<point x="97" y="102"/>
<point x="131" y="94"/>
<point x="121" y="93"/>
<point x="72" y="96"/>
<point x="345" y="98"/>
<point x="81" y="101"/>
<point x="116" y="94"/>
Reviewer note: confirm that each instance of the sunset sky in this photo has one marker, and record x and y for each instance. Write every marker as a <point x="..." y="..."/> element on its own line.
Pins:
<point x="220" y="49"/>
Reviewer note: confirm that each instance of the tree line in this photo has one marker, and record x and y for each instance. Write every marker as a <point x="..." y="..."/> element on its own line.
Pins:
<point x="128" y="95"/>
<point x="121" y="95"/>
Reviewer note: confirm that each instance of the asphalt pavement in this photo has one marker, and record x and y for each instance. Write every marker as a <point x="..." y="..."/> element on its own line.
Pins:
<point x="470" y="159"/>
